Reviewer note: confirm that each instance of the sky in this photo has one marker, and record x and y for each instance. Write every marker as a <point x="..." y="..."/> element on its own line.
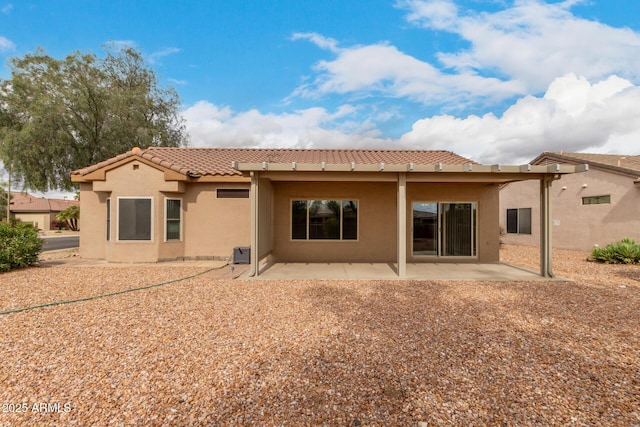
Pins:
<point x="497" y="81"/>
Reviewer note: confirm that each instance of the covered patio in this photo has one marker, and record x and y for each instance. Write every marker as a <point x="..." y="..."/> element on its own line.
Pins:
<point x="275" y="185"/>
<point x="389" y="271"/>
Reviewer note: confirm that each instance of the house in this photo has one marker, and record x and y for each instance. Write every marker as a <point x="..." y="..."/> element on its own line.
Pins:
<point x="296" y="205"/>
<point x="597" y="207"/>
<point x="39" y="211"/>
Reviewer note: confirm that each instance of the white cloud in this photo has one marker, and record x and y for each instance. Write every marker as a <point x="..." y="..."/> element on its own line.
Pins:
<point x="155" y="57"/>
<point x="532" y="42"/>
<point x="573" y="115"/>
<point x="213" y="126"/>
<point x="381" y="69"/>
<point x="586" y="71"/>
<point x="6" y="45"/>
<point x="515" y="51"/>
<point x="177" y="81"/>
<point x="319" y="40"/>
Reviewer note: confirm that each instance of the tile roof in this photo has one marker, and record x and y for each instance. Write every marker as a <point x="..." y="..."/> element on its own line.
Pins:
<point x="626" y="164"/>
<point x="217" y="161"/>
<point x="24" y="202"/>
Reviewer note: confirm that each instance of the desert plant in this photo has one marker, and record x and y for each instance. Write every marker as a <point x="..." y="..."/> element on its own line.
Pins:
<point x="19" y="246"/>
<point x="626" y="251"/>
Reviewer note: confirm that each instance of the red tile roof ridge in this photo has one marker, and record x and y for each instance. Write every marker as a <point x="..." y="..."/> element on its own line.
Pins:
<point x="217" y="160"/>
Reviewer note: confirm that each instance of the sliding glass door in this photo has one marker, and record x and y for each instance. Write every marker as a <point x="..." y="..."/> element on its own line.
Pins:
<point x="444" y="229"/>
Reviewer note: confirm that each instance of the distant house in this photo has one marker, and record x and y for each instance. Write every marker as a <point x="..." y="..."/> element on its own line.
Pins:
<point x="596" y="207"/>
<point x="295" y="205"/>
<point x="39" y="211"/>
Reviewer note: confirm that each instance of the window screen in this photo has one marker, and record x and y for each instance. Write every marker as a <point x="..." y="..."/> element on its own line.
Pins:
<point x="173" y="219"/>
<point x="134" y="219"/>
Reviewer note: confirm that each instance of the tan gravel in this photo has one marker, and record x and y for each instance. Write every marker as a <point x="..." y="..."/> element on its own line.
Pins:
<point x="207" y="351"/>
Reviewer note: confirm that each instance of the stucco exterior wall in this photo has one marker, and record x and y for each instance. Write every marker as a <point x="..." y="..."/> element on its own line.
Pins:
<point x="211" y="227"/>
<point x="135" y="179"/>
<point x="574" y="225"/>
<point x="265" y="218"/>
<point x="487" y="196"/>
<point x="92" y="222"/>
<point x="40" y="220"/>
<point x="377" y="223"/>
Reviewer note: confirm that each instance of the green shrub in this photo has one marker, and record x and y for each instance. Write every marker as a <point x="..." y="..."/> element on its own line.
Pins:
<point x="626" y="251"/>
<point x="19" y="246"/>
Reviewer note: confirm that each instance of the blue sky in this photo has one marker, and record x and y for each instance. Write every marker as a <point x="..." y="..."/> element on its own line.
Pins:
<point x="493" y="80"/>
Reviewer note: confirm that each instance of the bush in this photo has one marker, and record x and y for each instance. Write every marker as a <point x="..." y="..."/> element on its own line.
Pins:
<point x="626" y="251"/>
<point x="19" y="246"/>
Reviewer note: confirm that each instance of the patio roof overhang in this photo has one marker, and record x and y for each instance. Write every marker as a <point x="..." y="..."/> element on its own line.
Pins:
<point x="414" y="172"/>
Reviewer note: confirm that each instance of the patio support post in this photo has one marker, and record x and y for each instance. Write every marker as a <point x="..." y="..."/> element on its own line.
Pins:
<point x="545" y="228"/>
<point x="402" y="224"/>
<point x="254" y="271"/>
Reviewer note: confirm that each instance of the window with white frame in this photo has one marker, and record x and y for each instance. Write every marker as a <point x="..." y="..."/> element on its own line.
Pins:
<point x="324" y="219"/>
<point x="173" y="219"/>
<point x="519" y="221"/>
<point x="134" y="218"/>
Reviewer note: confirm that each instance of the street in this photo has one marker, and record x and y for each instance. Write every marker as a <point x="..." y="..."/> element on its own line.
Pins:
<point x="63" y="242"/>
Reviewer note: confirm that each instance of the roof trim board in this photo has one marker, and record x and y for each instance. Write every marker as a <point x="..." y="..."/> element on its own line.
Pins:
<point x="409" y="168"/>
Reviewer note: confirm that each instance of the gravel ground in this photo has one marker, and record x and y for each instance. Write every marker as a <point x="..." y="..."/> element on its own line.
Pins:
<point x="206" y="351"/>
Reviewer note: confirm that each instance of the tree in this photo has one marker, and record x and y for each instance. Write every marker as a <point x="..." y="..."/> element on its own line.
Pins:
<point x="71" y="215"/>
<point x="3" y="204"/>
<point x="57" y="116"/>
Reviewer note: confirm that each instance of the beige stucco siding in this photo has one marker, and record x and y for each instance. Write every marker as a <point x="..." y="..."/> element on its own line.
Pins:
<point x="40" y="220"/>
<point x="213" y="227"/>
<point x="376" y="222"/>
<point x="265" y="218"/>
<point x="210" y="227"/>
<point x="486" y="195"/>
<point x="574" y="225"/>
<point x="93" y="222"/>
<point x="135" y="180"/>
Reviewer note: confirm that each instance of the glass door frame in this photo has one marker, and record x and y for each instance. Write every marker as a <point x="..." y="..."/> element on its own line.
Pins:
<point x="440" y="238"/>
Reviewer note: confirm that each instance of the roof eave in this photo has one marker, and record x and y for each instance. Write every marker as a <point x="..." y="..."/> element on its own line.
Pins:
<point x="621" y="170"/>
<point x="409" y="168"/>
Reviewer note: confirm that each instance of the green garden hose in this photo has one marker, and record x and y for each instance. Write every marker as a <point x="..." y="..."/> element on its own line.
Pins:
<point x="50" y="304"/>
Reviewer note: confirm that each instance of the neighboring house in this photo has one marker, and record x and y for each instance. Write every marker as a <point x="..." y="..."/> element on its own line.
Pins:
<point x="596" y="207"/>
<point x="39" y="211"/>
<point x="294" y="205"/>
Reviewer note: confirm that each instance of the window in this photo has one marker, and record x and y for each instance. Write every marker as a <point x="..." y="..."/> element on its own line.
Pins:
<point x="596" y="200"/>
<point x="324" y="219"/>
<point x="173" y="219"/>
<point x="108" y="219"/>
<point x="134" y="218"/>
<point x="231" y="193"/>
<point x="519" y="221"/>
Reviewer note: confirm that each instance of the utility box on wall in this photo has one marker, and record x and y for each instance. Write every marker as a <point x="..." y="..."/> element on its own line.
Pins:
<point x="242" y="255"/>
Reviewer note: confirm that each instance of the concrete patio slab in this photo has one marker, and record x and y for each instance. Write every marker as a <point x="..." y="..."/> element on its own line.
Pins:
<point x="382" y="271"/>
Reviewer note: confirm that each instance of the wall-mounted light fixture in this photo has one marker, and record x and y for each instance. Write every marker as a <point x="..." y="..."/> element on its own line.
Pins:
<point x="584" y="185"/>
